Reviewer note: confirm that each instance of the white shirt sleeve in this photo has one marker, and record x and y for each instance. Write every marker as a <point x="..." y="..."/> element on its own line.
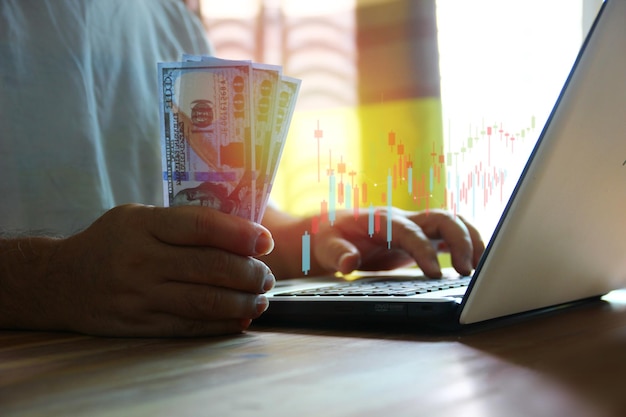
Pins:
<point x="79" y="125"/>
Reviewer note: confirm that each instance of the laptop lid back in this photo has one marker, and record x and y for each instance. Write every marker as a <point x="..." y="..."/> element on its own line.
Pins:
<point x="563" y="234"/>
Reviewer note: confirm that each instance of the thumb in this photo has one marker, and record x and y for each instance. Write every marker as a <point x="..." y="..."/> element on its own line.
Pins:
<point x="337" y="254"/>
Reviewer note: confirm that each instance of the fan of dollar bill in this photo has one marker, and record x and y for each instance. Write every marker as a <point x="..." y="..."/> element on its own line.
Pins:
<point x="223" y="128"/>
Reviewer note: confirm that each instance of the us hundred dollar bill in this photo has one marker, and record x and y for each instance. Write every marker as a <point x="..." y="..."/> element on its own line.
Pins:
<point x="266" y="81"/>
<point x="207" y="124"/>
<point x="265" y="87"/>
<point x="288" y="89"/>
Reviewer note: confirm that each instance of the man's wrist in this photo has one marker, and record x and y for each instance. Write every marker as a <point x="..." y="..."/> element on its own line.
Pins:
<point x="27" y="286"/>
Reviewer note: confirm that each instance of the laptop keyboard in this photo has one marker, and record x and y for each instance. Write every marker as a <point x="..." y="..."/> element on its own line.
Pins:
<point x="390" y="287"/>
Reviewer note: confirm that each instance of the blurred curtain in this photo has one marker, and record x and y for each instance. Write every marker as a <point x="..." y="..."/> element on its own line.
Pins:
<point x="399" y="101"/>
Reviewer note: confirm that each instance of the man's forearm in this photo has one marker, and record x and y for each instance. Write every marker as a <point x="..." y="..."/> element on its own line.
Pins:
<point x="287" y="230"/>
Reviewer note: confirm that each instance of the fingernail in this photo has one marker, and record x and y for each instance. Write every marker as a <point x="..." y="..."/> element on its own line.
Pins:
<point x="262" y="303"/>
<point x="268" y="282"/>
<point x="348" y="262"/>
<point x="264" y="243"/>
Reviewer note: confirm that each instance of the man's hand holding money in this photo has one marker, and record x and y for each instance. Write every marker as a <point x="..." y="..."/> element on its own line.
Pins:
<point x="145" y="271"/>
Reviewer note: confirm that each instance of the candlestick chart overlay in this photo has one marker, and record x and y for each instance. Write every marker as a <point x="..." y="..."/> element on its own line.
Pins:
<point x="471" y="172"/>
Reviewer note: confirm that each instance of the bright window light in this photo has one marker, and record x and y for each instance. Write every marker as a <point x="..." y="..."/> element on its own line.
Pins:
<point x="502" y="66"/>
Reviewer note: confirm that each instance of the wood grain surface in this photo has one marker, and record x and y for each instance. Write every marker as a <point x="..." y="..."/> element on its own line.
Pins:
<point x="568" y="364"/>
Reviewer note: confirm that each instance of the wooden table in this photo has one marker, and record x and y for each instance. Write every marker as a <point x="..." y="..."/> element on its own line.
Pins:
<point x="567" y="364"/>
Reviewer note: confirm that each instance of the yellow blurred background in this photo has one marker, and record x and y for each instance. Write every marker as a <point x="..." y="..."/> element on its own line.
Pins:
<point x="457" y="90"/>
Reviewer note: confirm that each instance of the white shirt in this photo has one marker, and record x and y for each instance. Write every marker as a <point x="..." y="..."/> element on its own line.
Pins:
<point x="79" y="124"/>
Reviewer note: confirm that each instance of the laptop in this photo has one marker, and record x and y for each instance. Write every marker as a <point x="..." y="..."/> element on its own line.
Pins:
<point x="561" y="238"/>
